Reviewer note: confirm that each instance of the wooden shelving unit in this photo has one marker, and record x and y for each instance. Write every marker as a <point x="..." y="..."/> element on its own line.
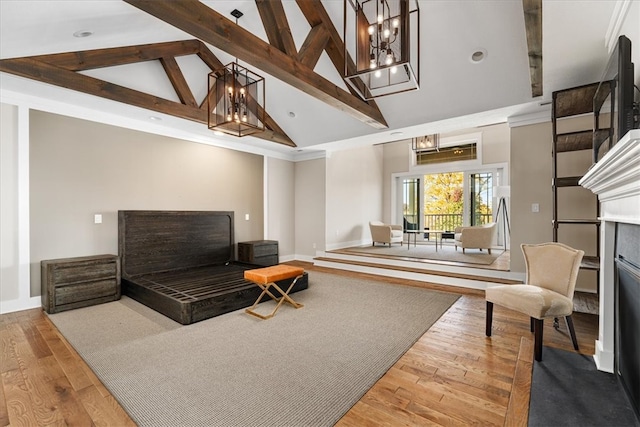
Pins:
<point x="567" y="104"/>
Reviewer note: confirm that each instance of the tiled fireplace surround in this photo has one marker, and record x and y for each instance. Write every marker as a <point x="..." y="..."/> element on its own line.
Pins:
<point x="616" y="181"/>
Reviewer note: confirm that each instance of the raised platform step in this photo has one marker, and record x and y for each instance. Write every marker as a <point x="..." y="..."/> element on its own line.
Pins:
<point x="442" y="274"/>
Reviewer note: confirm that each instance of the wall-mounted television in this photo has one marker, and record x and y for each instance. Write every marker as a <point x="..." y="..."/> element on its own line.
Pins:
<point x="613" y="103"/>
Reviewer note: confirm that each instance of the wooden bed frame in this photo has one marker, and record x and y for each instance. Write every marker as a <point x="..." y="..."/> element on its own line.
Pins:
<point x="182" y="264"/>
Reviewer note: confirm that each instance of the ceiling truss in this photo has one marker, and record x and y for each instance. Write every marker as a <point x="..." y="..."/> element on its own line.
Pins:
<point x="61" y="69"/>
<point x="211" y="27"/>
<point x="278" y="58"/>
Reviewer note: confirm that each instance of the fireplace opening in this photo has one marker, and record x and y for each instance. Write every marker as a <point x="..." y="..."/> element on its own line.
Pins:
<point x="627" y="309"/>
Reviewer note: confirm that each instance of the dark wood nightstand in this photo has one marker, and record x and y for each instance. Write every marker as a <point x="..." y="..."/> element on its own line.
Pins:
<point x="259" y="252"/>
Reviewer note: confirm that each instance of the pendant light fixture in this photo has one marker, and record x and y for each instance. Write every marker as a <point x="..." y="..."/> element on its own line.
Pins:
<point x="426" y="143"/>
<point x="235" y="101"/>
<point x="384" y="38"/>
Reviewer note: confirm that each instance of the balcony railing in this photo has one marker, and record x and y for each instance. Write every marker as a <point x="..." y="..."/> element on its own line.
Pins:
<point x="447" y="222"/>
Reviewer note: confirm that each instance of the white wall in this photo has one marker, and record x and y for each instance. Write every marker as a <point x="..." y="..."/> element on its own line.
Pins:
<point x="9" y="289"/>
<point x="354" y="195"/>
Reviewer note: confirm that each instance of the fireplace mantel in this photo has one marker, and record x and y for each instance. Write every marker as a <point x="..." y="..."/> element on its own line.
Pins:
<point x="616" y="181"/>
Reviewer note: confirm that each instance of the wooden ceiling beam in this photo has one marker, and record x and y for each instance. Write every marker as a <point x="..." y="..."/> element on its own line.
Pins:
<point x="61" y="70"/>
<point x="206" y="24"/>
<point x="110" y="57"/>
<point x="178" y="81"/>
<point x="533" y="28"/>
<point x="316" y="14"/>
<point x="52" y="74"/>
<point x="276" y="26"/>
<point x="313" y="46"/>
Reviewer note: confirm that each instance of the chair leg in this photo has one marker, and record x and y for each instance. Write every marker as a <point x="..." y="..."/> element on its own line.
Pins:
<point x="531" y="326"/>
<point x="537" y="345"/>
<point x="489" y="318"/>
<point x="489" y="251"/>
<point x="572" y="332"/>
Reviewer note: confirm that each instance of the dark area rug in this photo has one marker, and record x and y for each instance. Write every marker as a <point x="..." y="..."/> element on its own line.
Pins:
<point x="568" y="390"/>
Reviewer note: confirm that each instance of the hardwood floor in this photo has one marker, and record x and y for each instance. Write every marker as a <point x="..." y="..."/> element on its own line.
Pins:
<point x="453" y="375"/>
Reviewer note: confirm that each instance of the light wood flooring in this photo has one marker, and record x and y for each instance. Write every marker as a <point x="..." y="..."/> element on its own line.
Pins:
<point x="453" y="375"/>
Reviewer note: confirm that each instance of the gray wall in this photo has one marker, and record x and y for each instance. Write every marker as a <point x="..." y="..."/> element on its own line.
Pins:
<point x="354" y="195"/>
<point x="531" y="174"/>
<point x="280" y="206"/>
<point x="310" y="208"/>
<point x="80" y="168"/>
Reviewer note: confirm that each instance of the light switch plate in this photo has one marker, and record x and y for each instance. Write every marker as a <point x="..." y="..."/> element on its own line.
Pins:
<point x="97" y="219"/>
<point x="535" y="207"/>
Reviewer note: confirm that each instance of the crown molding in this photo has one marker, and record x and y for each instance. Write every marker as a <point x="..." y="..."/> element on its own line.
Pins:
<point x="529" y="119"/>
<point x="615" y="23"/>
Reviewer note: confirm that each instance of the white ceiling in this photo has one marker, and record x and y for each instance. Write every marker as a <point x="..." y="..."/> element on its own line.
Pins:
<point x="455" y="93"/>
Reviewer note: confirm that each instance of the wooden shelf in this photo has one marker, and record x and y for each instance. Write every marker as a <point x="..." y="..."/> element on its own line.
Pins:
<point x="574" y="141"/>
<point x="590" y="263"/>
<point x="577" y="221"/>
<point x="569" y="103"/>
<point x="574" y="101"/>
<point x="567" y="181"/>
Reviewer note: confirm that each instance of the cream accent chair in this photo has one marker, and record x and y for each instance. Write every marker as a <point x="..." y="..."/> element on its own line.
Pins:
<point x="552" y="270"/>
<point x="475" y="237"/>
<point x="385" y="233"/>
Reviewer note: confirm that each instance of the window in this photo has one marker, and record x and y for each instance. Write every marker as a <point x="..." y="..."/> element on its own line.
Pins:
<point x="454" y="153"/>
<point x="445" y="200"/>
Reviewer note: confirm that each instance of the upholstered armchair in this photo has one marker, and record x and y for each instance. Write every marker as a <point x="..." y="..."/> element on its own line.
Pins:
<point x="475" y="237"/>
<point x="385" y="233"/>
<point x="551" y="274"/>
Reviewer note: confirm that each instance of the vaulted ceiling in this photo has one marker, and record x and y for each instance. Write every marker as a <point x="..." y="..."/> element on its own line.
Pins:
<point x="296" y="45"/>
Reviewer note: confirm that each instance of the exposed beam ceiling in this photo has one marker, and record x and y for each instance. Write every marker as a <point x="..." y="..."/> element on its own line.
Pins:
<point x="206" y="24"/>
<point x="62" y="70"/>
<point x="456" y="91"/>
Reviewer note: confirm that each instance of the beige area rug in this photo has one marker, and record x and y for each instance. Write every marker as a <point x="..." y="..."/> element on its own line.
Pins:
<point x="303" y="367"/>
<point x="427" y="251"/>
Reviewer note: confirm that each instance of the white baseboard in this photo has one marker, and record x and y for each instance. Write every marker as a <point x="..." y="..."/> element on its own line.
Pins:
<point x="12" y="306"/>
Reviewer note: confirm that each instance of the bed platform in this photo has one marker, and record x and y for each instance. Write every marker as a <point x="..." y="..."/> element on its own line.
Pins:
<point x="182" y="264"/>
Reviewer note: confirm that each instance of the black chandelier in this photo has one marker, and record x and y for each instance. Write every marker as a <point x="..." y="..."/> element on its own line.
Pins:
<point x="235" y="101"/>
<point x="384" y="38"/>
<point x="426" y="143"/>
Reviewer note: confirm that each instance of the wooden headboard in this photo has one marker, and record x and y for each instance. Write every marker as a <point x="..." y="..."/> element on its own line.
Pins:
<point x="154" y="241"/>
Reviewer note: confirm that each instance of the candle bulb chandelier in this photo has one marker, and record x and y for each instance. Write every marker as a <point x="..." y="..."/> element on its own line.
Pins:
<point x="236" y="98"/>
<point x="384" y="38"/>
<point x="426" y="143"/>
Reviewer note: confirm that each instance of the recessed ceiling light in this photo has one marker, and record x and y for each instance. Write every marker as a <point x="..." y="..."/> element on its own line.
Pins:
<point x="396" y="133"/>
<point x="218" y="133"/>
<point x="155" y="118"/>
<point x="292" y="114"/>
<point x="478" y="56"/>
<point x="82" y="33"/>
